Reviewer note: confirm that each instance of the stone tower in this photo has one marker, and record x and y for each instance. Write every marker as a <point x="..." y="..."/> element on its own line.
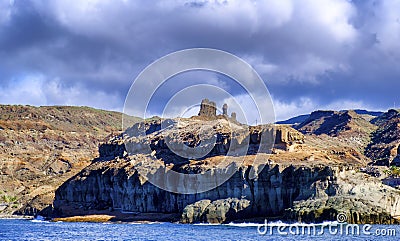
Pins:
<point x="225" y="109"/>
<point x="208" y="108"/>
<point x="233" y="116"/>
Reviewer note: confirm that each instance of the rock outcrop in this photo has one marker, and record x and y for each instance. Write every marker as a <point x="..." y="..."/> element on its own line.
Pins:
<point x="190" y="133"/>
<point x="286" y="138"/>
<point x="285" y="184"/>
<point x="218" y="211"/>
<point x="361" y="198"/>
<point x="208" y="108"/>
<point x="225" y="109"/>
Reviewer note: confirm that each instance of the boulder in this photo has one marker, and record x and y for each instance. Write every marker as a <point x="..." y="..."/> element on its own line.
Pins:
<point x="218" y="211"/>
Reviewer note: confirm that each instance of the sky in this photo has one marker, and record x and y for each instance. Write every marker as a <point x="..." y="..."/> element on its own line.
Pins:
<point x="310" y="54"/>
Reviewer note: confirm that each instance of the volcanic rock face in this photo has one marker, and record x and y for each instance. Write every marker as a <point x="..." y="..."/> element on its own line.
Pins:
<point x="361" y="198"/>
<point x="116" y="185"/>
<point x="125" y="185"/>
<point x="306" y="194"/>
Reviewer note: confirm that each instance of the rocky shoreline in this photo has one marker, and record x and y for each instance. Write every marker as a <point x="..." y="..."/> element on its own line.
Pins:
<point x="13" y="216"/>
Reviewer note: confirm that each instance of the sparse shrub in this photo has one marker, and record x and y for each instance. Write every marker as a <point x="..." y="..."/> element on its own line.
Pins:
<point x="395" y="171"/>
<point x="8" y="199"/>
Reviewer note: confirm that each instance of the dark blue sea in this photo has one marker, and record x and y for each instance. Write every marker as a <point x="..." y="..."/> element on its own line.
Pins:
<point x="17" y="229"/>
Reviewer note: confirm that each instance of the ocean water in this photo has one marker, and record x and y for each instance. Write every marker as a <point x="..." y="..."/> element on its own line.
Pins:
<point x="17" y="229"/>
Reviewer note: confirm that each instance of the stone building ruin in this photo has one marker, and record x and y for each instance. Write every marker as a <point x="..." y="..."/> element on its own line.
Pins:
<point x="209" y="109"/>
<point x="225" y="109"/>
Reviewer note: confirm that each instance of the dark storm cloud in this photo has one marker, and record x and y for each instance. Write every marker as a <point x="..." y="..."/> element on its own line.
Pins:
<point x="311" y="54"/>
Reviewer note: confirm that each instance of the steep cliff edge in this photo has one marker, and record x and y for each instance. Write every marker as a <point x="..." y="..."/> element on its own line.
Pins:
<point x="296" y="181"/>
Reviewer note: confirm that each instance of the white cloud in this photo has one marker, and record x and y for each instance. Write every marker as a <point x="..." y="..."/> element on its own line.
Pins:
<point x="347" y="105"/>
<point x="314" y="51"/>
<point x="5" y="11"/>
<point x="383" y="20"/>
<point x="24" y="91"/>
<point x="286" y="110"/>
<point x="332" y="15"/>
<point x="37" y="90"/>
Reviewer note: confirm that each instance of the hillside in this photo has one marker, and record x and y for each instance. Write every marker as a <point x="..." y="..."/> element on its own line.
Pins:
<point x="378" y="138"/>
<point x="42" y="147"/>
<point x="384" y="148"/>
<point x="346" y="126"/>
<point x="368" y="115"/>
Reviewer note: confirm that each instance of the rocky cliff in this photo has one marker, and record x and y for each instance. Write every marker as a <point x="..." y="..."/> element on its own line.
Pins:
<point x="296" y="180"/>
<point x="308" y="175"/>
<point x="312" y="193"/>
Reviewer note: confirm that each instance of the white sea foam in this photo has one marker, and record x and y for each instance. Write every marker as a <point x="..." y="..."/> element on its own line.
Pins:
<point x="136" y="223"/>
<point x="207" y="224"/>
<point x="243" y="224"/>
<point x="39" y="219"/>
<point x="275" y="223"/>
